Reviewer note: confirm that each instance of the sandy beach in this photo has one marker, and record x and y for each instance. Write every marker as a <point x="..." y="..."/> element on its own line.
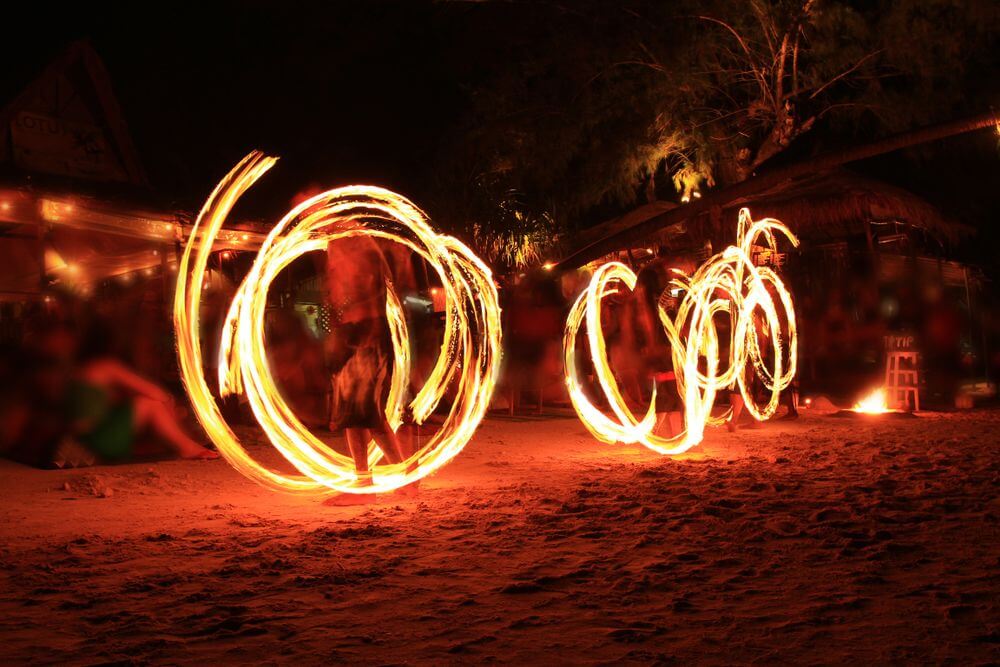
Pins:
<point x="823" y="540"/>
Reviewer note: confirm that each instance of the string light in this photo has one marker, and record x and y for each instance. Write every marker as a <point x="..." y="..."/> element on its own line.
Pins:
<point x="727" y="284"/>
<point x="469" y="360"/>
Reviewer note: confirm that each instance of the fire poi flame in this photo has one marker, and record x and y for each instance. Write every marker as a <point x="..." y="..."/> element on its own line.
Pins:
<point x="727" y="283"/>
<point x="873" y="404"/>
<point x="469" y="361"/>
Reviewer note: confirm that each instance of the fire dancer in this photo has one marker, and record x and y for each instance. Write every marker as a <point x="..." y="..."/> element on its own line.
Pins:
<point x="653" y="292"/>
<point x="736" y="401"/>
<point x="357" y="285"/>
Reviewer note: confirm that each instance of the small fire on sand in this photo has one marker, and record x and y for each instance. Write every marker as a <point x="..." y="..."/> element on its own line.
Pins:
<point x="873" y="404"/>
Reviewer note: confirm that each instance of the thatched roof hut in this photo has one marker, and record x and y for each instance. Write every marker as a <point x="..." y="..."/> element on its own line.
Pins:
<point x="835" y="205"/>
<point x="822" y="208"/>
<point x="75" y="206"/>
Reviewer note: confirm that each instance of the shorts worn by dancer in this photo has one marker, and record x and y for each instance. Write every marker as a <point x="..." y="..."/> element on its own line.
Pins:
<point x="361" y="387"/>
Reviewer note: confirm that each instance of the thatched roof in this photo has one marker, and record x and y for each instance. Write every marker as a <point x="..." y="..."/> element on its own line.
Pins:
<point x="821" y="208"/>
<point x="835" y="205"/>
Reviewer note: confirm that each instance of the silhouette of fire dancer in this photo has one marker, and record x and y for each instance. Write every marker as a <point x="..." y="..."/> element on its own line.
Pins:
<point x="358" y="271"/>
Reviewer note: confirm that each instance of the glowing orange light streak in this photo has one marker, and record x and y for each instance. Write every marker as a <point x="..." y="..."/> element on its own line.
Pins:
<point x="469" y="360"/>
<point x="727" y="284"/>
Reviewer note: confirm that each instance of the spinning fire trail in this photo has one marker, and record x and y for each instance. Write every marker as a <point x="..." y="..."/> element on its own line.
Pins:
<point x="728" y="284"/>
<point x="468" y="363"/>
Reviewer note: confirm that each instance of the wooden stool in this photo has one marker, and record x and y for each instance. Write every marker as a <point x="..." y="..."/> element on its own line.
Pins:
<point x="902" y="380"/>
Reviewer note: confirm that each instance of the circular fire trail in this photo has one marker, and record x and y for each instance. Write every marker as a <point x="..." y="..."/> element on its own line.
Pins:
<point x="467" y="365"/>
<point x="729" y="285"/>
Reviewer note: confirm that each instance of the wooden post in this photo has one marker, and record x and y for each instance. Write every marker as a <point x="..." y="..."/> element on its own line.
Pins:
<point x="42" y="235"/>
<point x="165" y="278"/>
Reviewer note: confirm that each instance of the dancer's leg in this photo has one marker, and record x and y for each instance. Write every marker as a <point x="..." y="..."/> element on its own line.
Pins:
<point x="357" y="443"/>
<point x="736" y="403"/>
<point x="406" y="440"/>
<point x="674" y="422"/>
<point x="389" y="444"/>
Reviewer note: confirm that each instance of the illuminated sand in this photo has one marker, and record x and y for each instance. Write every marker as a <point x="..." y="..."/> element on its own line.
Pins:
<point x="822" y="540"/>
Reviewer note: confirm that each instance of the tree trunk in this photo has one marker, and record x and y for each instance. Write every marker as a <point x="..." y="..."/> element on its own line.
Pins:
<point x="769" y="179"/>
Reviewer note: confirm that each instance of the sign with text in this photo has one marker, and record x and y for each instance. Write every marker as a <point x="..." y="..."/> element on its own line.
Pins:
<point x="900" y="342"/>
<point x="63" y="147"/>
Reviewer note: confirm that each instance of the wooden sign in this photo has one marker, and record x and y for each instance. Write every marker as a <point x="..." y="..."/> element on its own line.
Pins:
<point x="900" y="342"/>
<point x="64" y="147"/>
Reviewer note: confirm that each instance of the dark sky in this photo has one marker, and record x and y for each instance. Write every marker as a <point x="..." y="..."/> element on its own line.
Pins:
<point x="349" y="92"/>
<point x="344" y="92"/>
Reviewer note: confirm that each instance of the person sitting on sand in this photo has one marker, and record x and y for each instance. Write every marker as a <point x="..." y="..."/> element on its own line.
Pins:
<point x="110" y="404"/>
<point x="106" y="405"/>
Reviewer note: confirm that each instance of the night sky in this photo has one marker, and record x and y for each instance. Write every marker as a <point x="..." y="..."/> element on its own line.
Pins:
<point x="353" y="92"/>
<point x="350" y="93"/>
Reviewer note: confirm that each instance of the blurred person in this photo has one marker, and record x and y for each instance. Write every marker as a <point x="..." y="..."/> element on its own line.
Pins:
<point x="653" y="292"/>
<point x="110" y="404"/>
<point x="100" y="404"/>
<point x="737" y="402"/>
<point x="619" y="322"/>
<point x="403" y="266"/>
<point x="297" y="361"/>
<point x="357" y="273"/>
<point x="535" y="314"/>
<point x="32" y="420"/>
<point x="940" y="339"/>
